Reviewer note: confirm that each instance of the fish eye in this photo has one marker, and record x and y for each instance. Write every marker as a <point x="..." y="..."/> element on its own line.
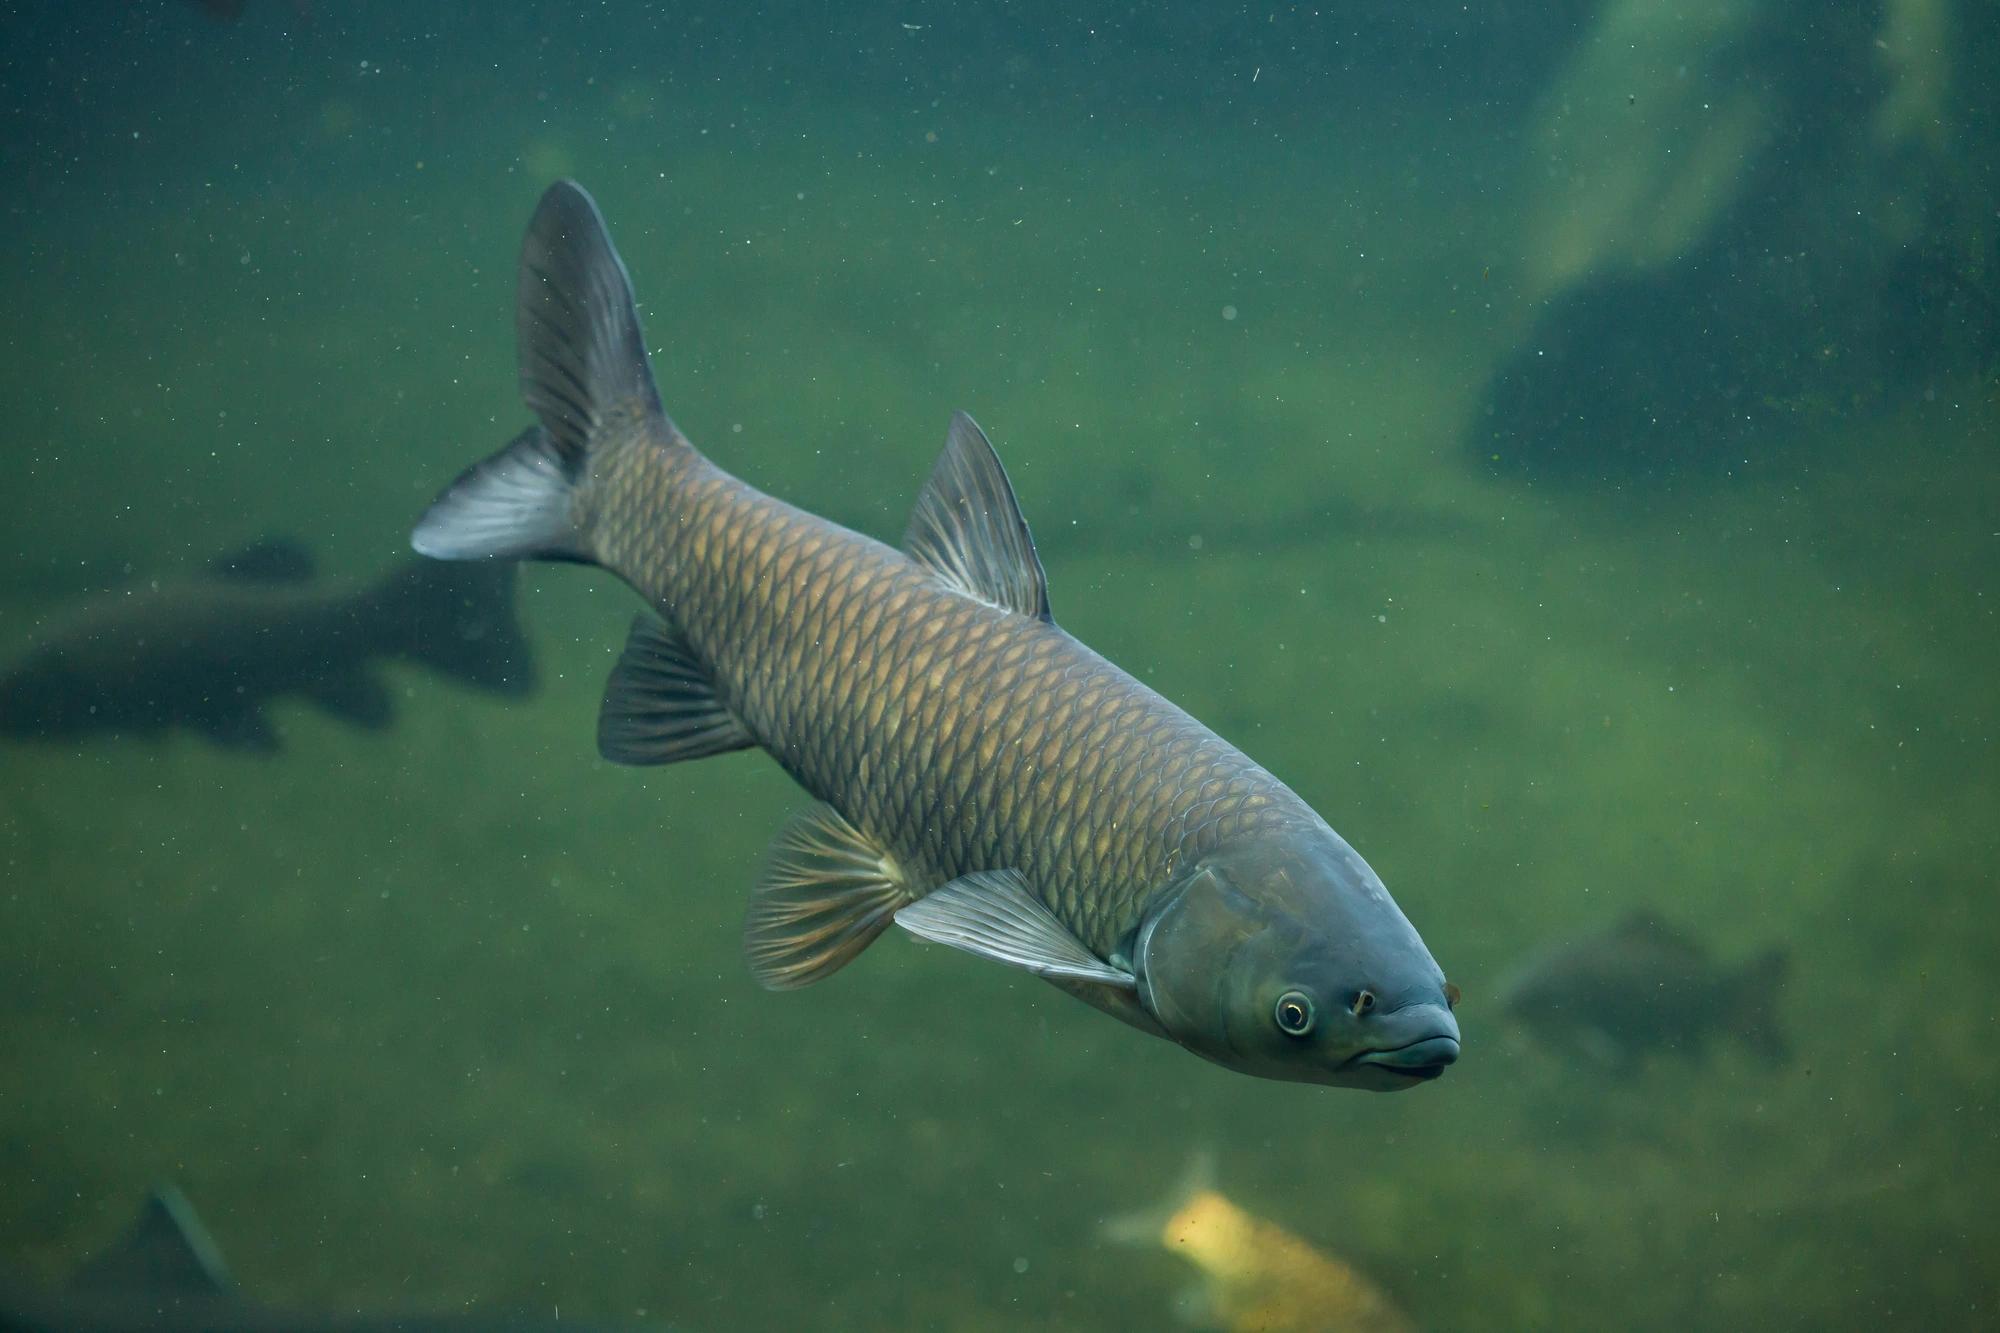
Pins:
<point x="1295" y="1013"/>
<point x="1364" y="1002"/>
<point x="1451" y="995"/>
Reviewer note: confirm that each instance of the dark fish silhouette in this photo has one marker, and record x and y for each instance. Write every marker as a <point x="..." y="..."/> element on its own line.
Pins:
<point x="209" y="652"/>
<point x="983" y="779"/>
<point x="164" y="1275"/>
<point x="1644" y="986"/>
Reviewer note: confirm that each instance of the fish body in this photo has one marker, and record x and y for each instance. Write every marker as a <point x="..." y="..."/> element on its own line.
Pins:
<point x="1256" y="1277"/>
<point x="1263" y="1279"/>
<point x="1644" y="986"/>
<point x="209" y="652"/>
<point x="983" y="779"/>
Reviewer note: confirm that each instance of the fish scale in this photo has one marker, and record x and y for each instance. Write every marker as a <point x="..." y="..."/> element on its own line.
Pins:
<point x="995" y="740"/>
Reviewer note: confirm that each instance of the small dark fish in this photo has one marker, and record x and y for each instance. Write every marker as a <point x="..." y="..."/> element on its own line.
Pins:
<point x="1644" y="986"/>
<point x="209" y="652"/>
<point x="164" y="1275"/>
<point x="983" y="779"/>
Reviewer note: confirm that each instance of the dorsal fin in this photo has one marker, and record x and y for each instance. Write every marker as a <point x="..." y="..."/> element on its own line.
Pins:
<point x="582" y="359"/>
<point x="165" y="1251"/>
<point x="968" y="529"/>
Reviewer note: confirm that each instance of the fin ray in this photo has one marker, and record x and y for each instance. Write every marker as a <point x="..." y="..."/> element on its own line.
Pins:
<point x="993" y="913"/>
<point x="583" y="371"/>
<point x="582" y="358"/>
<point x="826" y="893"/>
<point x="516" y="504"/>
<point x="967" y="527"/>
<point x="659" y="706"/>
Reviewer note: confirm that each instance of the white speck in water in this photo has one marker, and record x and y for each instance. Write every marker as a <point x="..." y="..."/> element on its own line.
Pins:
<point x="1229" y="312"/>
<point x="1021" y="1264"/>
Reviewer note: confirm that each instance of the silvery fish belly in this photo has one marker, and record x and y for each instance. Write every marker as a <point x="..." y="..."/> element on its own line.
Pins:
<point x="982" y="779"/>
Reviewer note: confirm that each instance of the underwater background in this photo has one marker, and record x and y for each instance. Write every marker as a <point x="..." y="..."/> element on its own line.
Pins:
<point x="1556" y="439"/>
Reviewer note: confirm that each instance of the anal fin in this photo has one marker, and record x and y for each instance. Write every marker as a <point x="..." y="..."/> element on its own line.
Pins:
<point x="826" y="893"/>
<point x="659" y="707"/>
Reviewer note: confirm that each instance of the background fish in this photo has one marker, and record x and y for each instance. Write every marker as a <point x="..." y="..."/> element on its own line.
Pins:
<point x="1644" y="986"/>
<point x="209" y="652"/>
<point x="983" y="778"/>
<point x="165" y="1275"/>
<point x="1258" y="1277"/>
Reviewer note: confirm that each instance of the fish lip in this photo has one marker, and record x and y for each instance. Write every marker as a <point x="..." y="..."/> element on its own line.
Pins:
<point x="1419" y="1061"/>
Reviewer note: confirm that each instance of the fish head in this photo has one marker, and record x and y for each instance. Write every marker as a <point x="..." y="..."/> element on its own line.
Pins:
<point x="1284" y="957"/>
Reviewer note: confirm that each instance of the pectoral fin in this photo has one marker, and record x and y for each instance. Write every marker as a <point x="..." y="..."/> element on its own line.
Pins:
<point x="992" y="913"/>
<point x="659" y="707"/>
<point x="827" y="892"/>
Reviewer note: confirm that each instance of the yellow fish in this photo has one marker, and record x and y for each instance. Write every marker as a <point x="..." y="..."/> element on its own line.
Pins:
<point x="1259" y="1277"/>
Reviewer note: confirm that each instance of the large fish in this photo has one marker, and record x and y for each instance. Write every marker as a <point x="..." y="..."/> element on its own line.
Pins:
<point x="209" y="652"/>
<point x="983" y="779"/>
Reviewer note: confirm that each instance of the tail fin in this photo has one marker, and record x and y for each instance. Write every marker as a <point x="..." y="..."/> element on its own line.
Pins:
<point x="583" y="371"/>
<point x="460" y="620"/>
<point x="1759" y="982"/>
<point x="1147" y="1226"/>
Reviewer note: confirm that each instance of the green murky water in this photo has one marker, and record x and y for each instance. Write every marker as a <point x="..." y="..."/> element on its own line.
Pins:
<point x="454" y="1012"/>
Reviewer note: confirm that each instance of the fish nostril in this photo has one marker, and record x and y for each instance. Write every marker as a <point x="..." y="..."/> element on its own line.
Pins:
<point x="1364" y="1002"/>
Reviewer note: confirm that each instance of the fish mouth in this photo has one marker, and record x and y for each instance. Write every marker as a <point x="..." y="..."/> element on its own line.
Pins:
<point x="1420" y="1061"/>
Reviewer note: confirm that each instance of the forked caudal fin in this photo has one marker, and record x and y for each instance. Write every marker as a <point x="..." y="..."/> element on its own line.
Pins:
<point x="583" y="370"/>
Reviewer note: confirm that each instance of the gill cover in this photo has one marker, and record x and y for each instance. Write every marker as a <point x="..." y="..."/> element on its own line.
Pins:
<point x="1284" y="957"/>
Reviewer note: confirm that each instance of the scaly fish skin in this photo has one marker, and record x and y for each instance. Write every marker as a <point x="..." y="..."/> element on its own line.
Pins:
<point x="960" y="735"/>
